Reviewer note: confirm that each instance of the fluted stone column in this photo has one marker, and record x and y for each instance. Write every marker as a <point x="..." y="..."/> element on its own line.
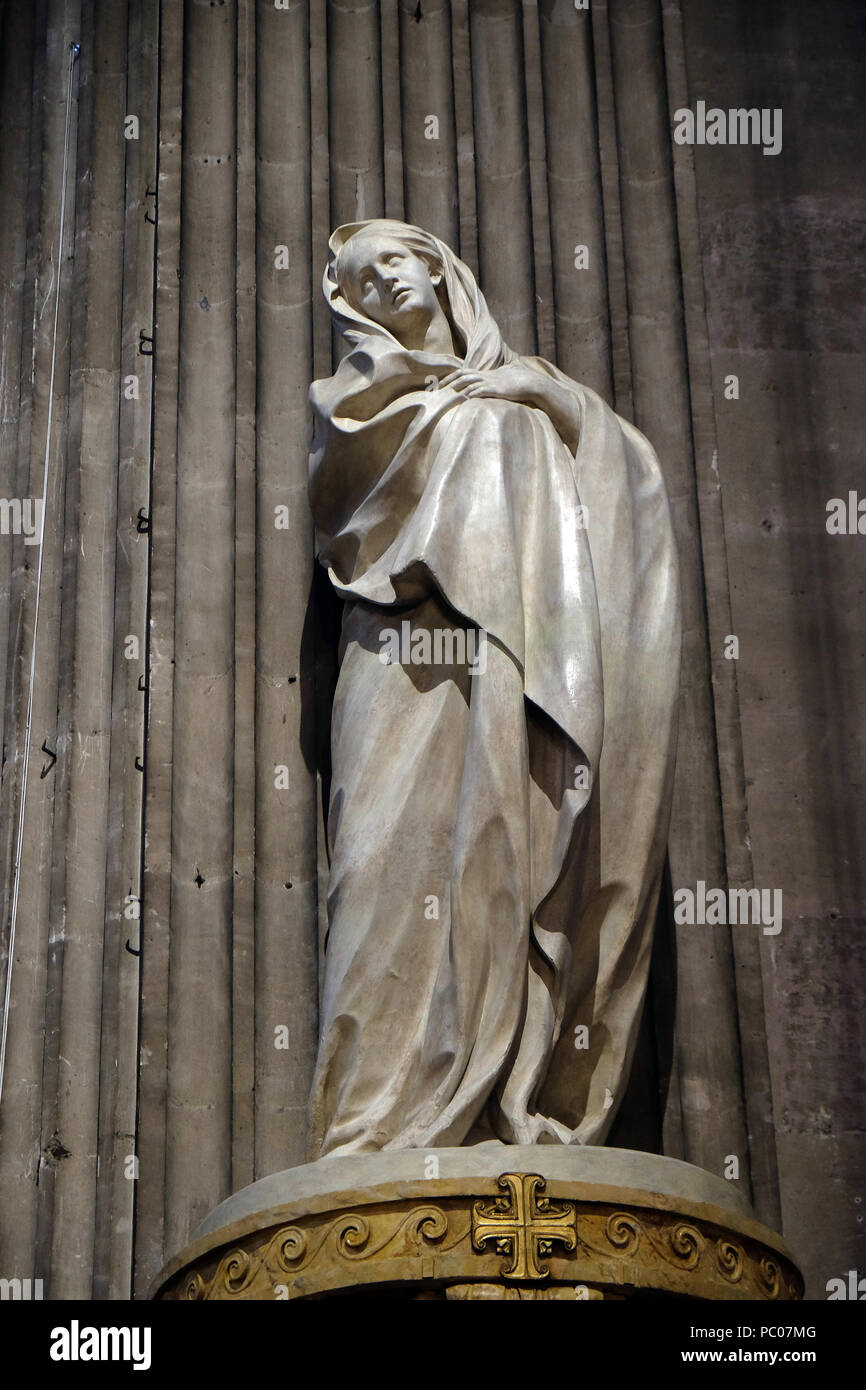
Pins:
<point x="118" y="1097"/>
<point x="710" y="1079"/>
<point x="198" y="1145"/>
<point x="286" y="944"/>
<point x="244" y="831"/>
<point x="612" y="209"/>
<point x="153" y="1118"/>
<point x="748" y="967"/>
<point x="429" y="136"/>
<point x="74" y="1215"/>
<point x="355" y="111"/>
<point x="502" y="169"/>
<point x="16" y="78"/>
<point x="21" y="1116"/>
<point x="581" y="309"/>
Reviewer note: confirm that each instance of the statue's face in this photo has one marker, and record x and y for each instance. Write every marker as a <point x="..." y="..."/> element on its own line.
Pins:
<point x="390" y="284"/>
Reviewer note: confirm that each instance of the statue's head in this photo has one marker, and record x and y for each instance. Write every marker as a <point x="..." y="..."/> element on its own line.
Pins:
<point x="391" y="282"/>
<point x="390" y="277"/>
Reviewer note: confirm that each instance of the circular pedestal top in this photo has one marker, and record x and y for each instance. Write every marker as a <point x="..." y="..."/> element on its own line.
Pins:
<point x="489" y="1220"/>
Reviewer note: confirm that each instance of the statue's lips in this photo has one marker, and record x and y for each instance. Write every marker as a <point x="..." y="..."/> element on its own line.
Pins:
<point x="396" y="297"/>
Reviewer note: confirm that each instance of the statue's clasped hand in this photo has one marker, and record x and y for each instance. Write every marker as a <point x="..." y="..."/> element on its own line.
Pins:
<point x="513" y="382"/>
<point x="521" y="384"/>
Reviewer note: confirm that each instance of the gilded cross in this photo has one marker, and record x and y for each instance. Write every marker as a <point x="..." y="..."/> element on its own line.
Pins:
<point x="524" y="1224"/>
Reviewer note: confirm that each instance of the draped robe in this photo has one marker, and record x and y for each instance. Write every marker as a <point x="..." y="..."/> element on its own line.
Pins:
<point x="496" y="839"/>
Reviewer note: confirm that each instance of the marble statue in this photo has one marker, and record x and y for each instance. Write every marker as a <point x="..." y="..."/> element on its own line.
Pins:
<point x="504" y="721"/>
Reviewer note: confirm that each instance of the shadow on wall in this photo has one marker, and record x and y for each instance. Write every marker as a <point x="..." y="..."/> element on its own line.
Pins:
<point x="640" y="1122"/>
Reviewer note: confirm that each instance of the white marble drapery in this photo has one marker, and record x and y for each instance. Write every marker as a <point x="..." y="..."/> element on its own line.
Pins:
<point x="460" y="788"/>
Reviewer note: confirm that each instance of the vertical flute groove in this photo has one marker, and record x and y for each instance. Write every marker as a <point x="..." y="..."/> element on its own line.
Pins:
<point x="735" y="823"/>
<point x="121" y="973"/>
<point x="355" y="129"/>
<point x="393" y="152"/>
<point x="612" y="210"/>
<point x="21" y="1113"/>
<point x="709" y="1065"/>
<point x="538" y="182"/>
<point x="286" y="940"/>
<point x="152" y="1114"/>
<point x="15" y="96"/>
<point x="355" y="111"/>
<point x="429" y="132"/>
<point x="502" y="169"/>
<point x="467" y="202"/>
<point x="576" y="212"/>
<point x="243" y="895"/>
<point x="198" y="1151"/>
<point x="77" y="1114"/>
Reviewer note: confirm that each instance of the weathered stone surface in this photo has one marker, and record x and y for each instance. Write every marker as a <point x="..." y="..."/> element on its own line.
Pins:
<point x="601" y="1167"/>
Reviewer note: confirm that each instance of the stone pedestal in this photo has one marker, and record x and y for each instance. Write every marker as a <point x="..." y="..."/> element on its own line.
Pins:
<point x="490" y="1221"/>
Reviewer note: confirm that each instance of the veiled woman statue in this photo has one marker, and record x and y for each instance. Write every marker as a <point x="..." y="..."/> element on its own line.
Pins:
<point x="496" y="827"/>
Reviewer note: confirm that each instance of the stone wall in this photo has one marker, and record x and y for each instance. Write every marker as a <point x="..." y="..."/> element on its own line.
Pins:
<point x="782" y="240"/>
<point x="168" y="914"/>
